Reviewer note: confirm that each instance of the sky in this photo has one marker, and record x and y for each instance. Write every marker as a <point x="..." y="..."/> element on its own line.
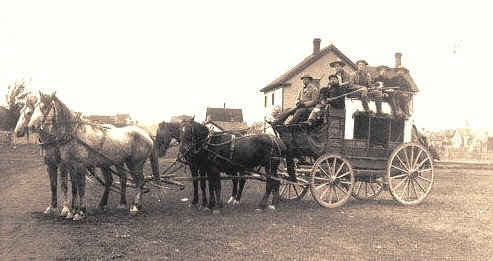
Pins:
<point x="157" y="59"/>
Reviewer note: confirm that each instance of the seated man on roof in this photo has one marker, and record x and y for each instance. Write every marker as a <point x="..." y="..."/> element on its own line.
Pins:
<point x="306" y="99"/>
<point x="332" y="96"/>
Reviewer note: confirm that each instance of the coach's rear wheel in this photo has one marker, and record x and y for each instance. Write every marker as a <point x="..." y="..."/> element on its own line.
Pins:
<point x="366" y="190"/>
<point x="410" y="173"/>
<point x="331" y="180"/>
<point x="290" y="191"/>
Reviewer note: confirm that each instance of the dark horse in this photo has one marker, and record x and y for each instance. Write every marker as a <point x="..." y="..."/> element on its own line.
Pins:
<point x="221" y="153"/>
<point x="83" y="145"/>
<point x="166" y="132"/>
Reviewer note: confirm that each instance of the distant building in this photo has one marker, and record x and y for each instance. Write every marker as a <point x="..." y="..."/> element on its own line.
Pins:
<point x="120" y="120"/>
<point x="225" y="119"/>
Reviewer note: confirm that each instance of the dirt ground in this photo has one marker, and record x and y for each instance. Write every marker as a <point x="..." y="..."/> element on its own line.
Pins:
<point x="455" y="222"/>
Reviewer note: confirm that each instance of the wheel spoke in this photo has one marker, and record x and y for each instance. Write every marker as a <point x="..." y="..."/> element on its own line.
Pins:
<point x="400" y="183"/>
<point x="396" y="167"/>
<point x="402" y="162"/>
<point x="420" y="186"/>
<point x="417" y="158"/>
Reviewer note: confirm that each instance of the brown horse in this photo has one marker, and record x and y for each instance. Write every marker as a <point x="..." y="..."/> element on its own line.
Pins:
<point x="83" y="145"/>
<point x="220" y="153"/>
<point x="166" y="132"/>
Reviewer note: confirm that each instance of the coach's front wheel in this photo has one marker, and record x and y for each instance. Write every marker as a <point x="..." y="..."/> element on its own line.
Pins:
<point x="331" y="180"/>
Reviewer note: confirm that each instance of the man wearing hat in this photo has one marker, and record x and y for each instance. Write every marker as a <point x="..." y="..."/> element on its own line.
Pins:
<point x="340" y="73"/>
<point x="361" y="80"/>
<point x="382" y="80"/>
<point x="305" y="101"/>
<point x="332" y="95"/>
<point x="402" y="95"/>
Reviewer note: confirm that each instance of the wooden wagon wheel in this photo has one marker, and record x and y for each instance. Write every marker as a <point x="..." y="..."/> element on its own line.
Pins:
<point x="331" y="180"/>
<point x="290" y="191"/>
<point x="410" y="173"/>
<point x="366" y="190"/>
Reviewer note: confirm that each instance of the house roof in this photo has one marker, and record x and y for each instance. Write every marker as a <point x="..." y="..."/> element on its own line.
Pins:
<point x="281" y="81"/>
<point x="229" y="126"/>
<point x="224" y="115"/>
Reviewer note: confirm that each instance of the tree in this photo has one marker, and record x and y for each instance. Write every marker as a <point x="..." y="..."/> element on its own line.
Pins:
<point x="15" y="98"/>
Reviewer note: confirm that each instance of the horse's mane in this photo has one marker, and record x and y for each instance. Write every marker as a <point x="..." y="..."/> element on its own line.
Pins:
<point x="65" y="119"/>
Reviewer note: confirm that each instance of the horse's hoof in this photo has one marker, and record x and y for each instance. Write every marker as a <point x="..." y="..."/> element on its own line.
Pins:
<point x="236" y="202"/>
<point x="272" y="208"/>
<point x="216" y="211"/>
<point x="207" y="209"/>
<point x="65" y="211"/>
<point x="121" y="207"/>
<point x="231" y="200"/>
<point x="134" y="210"/>
<point x="78" y="217"/>
<point x="258" y="209"/>
<point x="70" y="215"/>
<point x="49" y="210"/>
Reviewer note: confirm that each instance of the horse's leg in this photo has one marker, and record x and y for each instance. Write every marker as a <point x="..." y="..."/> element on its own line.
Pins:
<point x="195" y="181"/>
<point x="274" y="184"/>
<point x="241" y="182"/>
<point x="234" y="191"/>
<point x="52" y="169"/>
<point x="80" y="173"/>
<point x="217" y="178"/>
<point x="75" y="192"/>
<point x="212" y="198"/>
<point x="108" y="181"/>
<point x="203" y="186"/>
<point x="64" y="186"/>
<point x="122" y="174"/>
<point x="137" y="171"/>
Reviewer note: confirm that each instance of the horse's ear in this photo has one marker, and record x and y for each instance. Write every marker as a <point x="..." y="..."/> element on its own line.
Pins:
<point x="53" y="95"/>
<point x="192" y="119"/>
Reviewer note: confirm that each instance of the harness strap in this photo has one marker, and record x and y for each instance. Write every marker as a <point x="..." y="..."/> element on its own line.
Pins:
<point x="232" y="148"/>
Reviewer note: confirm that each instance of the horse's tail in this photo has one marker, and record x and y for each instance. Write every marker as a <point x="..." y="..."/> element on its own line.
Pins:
<point x="153" y="158"/>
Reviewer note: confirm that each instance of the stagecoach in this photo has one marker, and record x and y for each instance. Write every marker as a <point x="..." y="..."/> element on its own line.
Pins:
<point x="358" y="154"/>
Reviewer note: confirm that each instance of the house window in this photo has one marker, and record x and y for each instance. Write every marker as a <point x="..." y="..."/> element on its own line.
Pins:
<point x="265" y="101"/>
<point x="273" y="98"/>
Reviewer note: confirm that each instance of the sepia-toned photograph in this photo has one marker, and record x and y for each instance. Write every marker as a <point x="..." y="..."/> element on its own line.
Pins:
<point x="245" y="130"/>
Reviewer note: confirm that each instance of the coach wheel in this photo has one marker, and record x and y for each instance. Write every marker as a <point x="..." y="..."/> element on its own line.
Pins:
<point x="290" y="191"/>
<point x="410" y="173"/>
<point x="331" y="180"/>
<point x="366" y="190"/>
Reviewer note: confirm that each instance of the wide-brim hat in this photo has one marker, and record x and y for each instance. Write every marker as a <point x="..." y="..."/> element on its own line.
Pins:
<point x="341" y="63"/>
<point x="382" y="67"/>
<point x="306" y="76"/>
<point x="361" y="61"/>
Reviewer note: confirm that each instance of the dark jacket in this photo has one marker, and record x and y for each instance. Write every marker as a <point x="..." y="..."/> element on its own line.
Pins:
<point x="334" y="91"/>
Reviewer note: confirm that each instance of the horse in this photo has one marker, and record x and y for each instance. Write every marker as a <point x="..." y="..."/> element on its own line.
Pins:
<point x="51" y="157"/>
<point x="171" y="130"/>
<point x="165" y="133"/>
<point x="83" y="145"/>
<point x="220" y="153"/>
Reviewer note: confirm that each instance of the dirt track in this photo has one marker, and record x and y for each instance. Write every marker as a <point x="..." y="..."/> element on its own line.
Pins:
<point x="453" y="223"/>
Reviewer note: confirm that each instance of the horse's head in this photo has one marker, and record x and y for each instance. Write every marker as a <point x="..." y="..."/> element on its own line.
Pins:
<point x="166" y="131"/>
<point x="44" y="113"/>
<point x="25" y="116"/>
<point x="192" y="136"/>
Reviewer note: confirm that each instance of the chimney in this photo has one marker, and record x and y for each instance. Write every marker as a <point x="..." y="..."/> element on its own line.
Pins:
<point x="398" y="59"/>
<point x="316" y="45"/>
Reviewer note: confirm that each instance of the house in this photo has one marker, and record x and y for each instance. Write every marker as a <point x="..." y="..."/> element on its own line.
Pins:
<point x="225" y="119"/>
<point x="282" y="92"/>
<point x="120" y="120"/>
